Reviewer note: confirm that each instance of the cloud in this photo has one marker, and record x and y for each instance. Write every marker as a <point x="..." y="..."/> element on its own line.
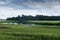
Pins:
<point x="11" y="12"/>
<point x="42" y="3"/>
<point x="2" y="3"/>
<point x="29" y="7"/>
<point x="7" y="12"/>
<point x="32" y="4"/>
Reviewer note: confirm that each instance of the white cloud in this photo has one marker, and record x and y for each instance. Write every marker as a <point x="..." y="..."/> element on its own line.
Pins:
<point x="2" y="2"/>
<point x="7" y="12"/>
<point x="10" y="12"/>
<point x="56" y="7"/>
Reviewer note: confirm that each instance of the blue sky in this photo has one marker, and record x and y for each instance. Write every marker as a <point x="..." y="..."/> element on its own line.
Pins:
<point x="10" y="8"/>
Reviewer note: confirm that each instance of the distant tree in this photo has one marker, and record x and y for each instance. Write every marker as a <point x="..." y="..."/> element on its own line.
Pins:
<point x="25" y="18"/>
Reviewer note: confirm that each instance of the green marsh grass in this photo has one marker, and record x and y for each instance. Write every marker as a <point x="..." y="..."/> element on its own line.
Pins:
<point x="29" y="32"/>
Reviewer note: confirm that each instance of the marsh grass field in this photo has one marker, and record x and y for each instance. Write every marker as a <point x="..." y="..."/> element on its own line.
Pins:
<point x="29" y="32"/>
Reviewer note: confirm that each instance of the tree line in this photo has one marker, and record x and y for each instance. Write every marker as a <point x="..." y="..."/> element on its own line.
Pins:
<point x="37" y="17"/>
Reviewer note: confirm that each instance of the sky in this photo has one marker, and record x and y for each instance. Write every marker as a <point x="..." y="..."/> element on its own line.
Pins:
<point x="13" y="8"/>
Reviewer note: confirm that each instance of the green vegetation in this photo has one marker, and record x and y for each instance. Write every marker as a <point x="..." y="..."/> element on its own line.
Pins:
<point x="46" y="21"/>
<point x="7" y="21"/>
<point x="55" y="23"/>
<point x="29" y="31"/>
